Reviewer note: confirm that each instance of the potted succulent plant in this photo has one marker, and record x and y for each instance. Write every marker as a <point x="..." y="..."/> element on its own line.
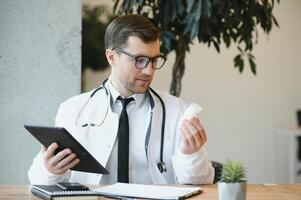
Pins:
<point x="232" y="185"/>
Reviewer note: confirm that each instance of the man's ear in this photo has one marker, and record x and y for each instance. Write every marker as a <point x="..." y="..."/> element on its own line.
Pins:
<point x="110" y="56"/>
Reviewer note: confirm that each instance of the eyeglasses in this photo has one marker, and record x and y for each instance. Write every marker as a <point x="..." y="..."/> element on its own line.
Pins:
<point x="142" y="62"/>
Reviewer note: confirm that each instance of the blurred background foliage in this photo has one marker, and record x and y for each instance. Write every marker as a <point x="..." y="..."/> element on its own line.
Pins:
<point x="94" y="23"/>
<point x="184" y="22"/>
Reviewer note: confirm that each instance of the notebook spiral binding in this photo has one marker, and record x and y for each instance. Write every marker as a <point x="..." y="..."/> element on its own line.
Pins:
<point x="73" y="192"/>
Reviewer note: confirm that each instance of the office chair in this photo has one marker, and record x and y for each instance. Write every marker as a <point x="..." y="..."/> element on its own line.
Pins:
<point x="218" y="167"/>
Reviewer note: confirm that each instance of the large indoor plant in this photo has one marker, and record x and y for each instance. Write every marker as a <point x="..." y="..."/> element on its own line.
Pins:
<point x="232" y="185"/>
<point x="212" y="22"/>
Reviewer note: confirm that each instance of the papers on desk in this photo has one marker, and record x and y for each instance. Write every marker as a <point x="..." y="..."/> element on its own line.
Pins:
<point x="148" y="191"/>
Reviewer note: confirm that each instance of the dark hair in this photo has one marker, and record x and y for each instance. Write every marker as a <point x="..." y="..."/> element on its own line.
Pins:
<point x="125" y="26"/>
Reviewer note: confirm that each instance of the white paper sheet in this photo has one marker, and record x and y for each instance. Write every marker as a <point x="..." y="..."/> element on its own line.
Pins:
<point x="148" y="191"/>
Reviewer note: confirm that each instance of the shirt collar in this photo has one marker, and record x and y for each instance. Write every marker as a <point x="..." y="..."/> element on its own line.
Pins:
<point x="138" y="97"/>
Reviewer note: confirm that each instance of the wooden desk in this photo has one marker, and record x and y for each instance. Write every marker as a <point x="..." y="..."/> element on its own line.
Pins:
<point x="254" y="192"/>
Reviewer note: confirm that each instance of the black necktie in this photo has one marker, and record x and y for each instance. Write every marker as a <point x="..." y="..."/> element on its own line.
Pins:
<point x="123" y="142"/>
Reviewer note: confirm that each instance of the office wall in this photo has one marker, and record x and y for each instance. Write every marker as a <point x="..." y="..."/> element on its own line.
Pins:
<point x="40" y="60"/>
<point x="241" y="111"/>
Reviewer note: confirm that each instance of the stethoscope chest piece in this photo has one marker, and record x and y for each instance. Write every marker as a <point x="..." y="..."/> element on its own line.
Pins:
<point x="162" y="167"/>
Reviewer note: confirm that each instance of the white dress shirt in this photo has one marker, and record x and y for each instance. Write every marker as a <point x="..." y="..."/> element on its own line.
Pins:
<point x="139" y="115"/>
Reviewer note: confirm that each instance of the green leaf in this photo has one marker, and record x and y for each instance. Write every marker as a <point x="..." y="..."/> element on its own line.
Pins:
<point x="236" y="58"/>
<point x="180" y="7"/>
<point x="239" y="62"/>
<point x="226" y="39"/>
<point x="216" y="45"/>
<point x="189" y="25"/>
<point x="253" y="65"/>
<point x="241" y="65"/>
<point x="275" y="21"/>
<point x="190" y="4"/>
<point x="232" y="172"/>
<point x="194" y="31"/>
<point x="140" y="2"/>
<point x="173" y="11"/>
<point x="115" y="6"/>
<point x="251" y="56"/>
<point x="209" y="7"/>
<point x="198" y="10"/>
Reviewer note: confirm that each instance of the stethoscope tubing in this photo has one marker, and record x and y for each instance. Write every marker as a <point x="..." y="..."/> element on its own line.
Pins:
<point x="161" y="165"/>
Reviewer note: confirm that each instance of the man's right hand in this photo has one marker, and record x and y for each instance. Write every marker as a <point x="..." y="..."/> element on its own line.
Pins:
<point x="58" y="163"/>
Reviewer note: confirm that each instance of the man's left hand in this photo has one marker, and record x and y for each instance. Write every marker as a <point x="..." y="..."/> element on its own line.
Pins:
<point x="193" y="135"/>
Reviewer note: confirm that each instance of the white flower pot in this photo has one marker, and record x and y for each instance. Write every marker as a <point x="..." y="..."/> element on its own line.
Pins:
<point x="231" y="191"/>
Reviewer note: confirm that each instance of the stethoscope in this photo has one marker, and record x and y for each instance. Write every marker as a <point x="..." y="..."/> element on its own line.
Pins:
<point x="161" y="165"/>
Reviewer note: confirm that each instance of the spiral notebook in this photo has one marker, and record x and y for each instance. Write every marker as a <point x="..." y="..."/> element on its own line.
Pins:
<point x="54" y="192"/>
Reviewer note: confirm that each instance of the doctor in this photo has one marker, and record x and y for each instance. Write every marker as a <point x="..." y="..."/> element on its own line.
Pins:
<point x="126" y="137"/>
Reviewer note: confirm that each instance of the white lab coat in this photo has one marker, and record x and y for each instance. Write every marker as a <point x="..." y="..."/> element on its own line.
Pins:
<point x="185" y="169"/>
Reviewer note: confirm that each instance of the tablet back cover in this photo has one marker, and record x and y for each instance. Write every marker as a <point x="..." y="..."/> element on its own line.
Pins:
<point x="47" y="135"/>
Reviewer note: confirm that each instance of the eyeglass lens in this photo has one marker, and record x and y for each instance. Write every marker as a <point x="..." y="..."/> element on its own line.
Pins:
<point x="143" y="62"/>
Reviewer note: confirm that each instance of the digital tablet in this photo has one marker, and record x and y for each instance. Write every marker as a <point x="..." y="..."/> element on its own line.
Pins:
<point x="48" y="135"/>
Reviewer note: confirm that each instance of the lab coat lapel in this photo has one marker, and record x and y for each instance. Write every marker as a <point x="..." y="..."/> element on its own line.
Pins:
<point x="90" y="137"/>
<point x="106" y="133"/>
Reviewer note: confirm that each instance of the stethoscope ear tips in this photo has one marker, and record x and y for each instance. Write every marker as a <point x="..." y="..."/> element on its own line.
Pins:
<point x="162" y="167"/>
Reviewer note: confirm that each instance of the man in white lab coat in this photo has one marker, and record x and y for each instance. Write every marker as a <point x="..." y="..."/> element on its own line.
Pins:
<point x="133" y="52"/>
